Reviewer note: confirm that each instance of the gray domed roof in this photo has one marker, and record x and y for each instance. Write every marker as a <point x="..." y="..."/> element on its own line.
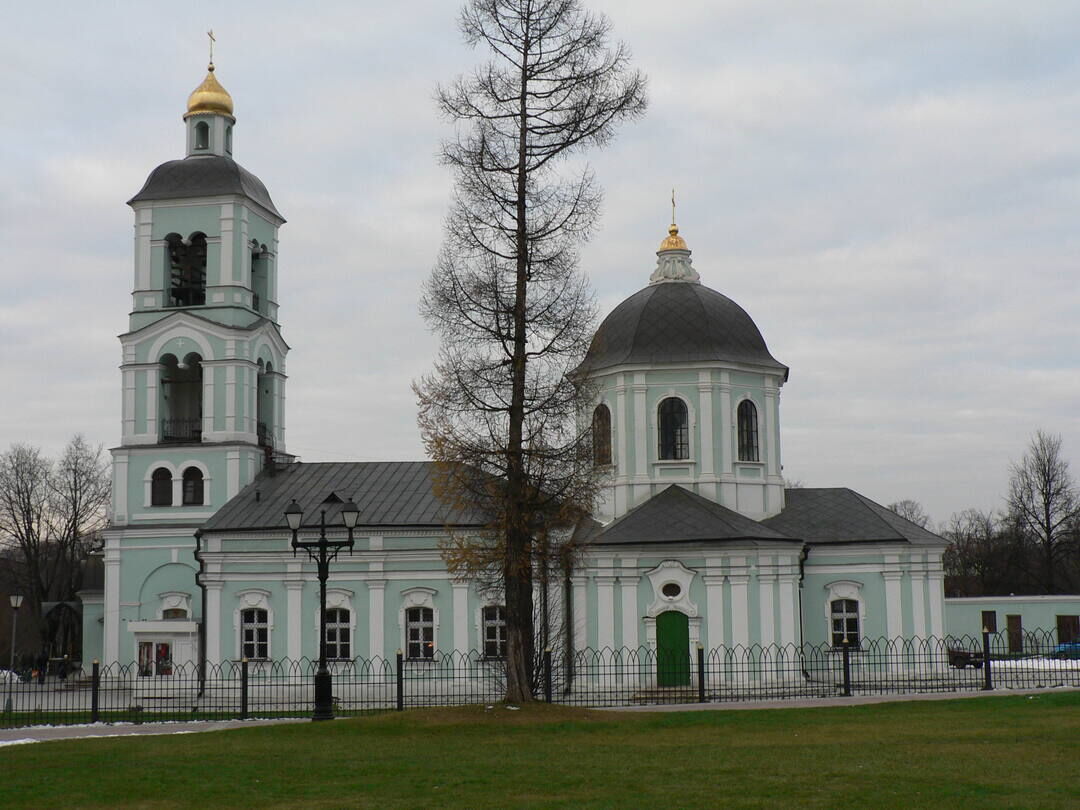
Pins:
<point x="677" y="322"/>
<point x="204" y="176"/>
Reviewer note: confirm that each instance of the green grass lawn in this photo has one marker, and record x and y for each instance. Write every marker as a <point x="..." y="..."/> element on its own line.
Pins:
<point x="987" y="752"/>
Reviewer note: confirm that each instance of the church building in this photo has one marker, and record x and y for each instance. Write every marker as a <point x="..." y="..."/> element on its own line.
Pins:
<point x="696" y="539"/>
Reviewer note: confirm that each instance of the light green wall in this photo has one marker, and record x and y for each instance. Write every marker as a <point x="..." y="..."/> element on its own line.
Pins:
<point x="963" y="617"/>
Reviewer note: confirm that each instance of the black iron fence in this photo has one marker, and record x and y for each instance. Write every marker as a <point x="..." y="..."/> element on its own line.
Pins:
<point x="619" y="677"/>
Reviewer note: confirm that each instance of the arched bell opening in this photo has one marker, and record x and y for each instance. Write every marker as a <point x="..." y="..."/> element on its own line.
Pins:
<point x="186" y="271"/>
<point x="265" y="404"/>
<point x="260" y="277"/>
<point x="181" y="398"/>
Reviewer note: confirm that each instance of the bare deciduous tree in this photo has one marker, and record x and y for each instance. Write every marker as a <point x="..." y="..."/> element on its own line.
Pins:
<point x="50" y="514"/>
<point x="911" y="510"/>
<point x="506" y="297"/>
<point x="1044" y="502"/>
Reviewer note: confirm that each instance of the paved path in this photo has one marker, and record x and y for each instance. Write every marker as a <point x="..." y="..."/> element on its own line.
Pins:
<point x="816" y="703"/>
<point x="45" y="733"/>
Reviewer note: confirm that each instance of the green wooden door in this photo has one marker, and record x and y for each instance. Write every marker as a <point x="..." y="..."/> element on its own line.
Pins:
<point x="672" y="649"/>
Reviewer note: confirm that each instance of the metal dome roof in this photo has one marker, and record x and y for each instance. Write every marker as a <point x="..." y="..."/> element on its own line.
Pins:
<point x="677" y="323"/>
<point x="203" y="176"/>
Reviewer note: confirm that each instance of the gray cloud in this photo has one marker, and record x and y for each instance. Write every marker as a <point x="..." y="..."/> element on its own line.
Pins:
<point x="888" y="188"/>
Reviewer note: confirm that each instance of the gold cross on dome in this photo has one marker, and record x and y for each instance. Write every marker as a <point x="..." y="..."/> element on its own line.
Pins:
<point x="210" y="34"/>
<point x="673" y="206"/>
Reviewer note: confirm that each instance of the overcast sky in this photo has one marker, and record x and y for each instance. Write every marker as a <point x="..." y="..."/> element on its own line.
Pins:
<point x="890" y="189"/>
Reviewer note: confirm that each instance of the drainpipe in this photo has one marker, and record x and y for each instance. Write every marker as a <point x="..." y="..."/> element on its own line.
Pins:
<point x="802" y="575"/>
<point x="202" y="624"/>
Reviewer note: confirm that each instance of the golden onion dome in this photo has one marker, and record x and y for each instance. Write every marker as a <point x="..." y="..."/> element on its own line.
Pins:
<point x="209" y="97"/>
<point x="673" y="240"/>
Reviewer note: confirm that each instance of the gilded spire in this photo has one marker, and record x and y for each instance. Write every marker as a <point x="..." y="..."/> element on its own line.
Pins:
<point x="210" y="96"/>
<point x="673" y="240"/>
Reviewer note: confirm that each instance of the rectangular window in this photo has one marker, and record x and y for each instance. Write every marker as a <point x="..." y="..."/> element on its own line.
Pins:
<point x="1068" y="628"/>
<point x="420" y="633"/>
<point x="845" y="622"/>
<point x="989" y="621"/>
<point x="337" y="634"/>
<point x="1015" y="626"/>
<point x="254" y="633"/>
<point x="495" y="631"/>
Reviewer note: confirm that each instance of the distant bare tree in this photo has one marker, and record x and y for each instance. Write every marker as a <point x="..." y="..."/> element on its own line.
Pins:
<point x="50" y="515"/>
<point x="911" y="510"/>
<point x="506" y="297"/>
<point x="1044" y="502"/>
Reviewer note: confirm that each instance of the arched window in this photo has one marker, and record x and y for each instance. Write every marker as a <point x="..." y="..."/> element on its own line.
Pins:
<point x="338" y="630"/>
<point x="228" y="140"/>
<point x="202" y="135"/>
<point x="193" y="487"/>
<point x="674" y="429"/>
<point x="186" y="282"/>
<point x="181" y="398"/>
<point x="601" y="436"/>
<point x="161" y="487"/>
<point x="748" y="434"/>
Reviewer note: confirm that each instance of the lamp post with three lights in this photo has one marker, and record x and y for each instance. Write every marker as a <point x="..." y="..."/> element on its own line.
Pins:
<point x="322" y="552"/>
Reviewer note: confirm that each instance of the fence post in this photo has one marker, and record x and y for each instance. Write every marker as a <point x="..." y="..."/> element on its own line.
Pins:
<point x="243" y="688"/>
<point x="988" y="680"/>
<point x="847" y="668"/>
<point x="400" y="683"/>
<point x="95" y="692"/>
<point x="547" y="674"/>
<point x="701" y="673"/>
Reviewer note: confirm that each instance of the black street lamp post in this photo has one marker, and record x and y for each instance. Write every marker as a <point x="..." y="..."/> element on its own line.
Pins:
<point x="322" y="551"/>
<point x="16" y="603"/>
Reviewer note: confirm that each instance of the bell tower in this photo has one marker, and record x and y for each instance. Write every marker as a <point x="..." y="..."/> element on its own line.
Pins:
<point x="203" y="377"/>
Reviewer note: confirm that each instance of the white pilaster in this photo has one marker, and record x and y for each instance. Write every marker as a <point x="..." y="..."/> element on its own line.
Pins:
<point x="153" y="380"/>
<point x="208" y="401"/>
<point x="111" y="647"/>
<point x="628" y="585"/>
<point x="740" y="608"/>
<point x="376" y="618"/>
<point x="788" y="619"/>
<point x="232" y="473"/>
<point x="705" y="399"/>
<point x="580" y="639"/>
<point x="230" y="398"/>
<point x="894" y="607"/>
<point x="724" y="445"/>
<point x="918" y="597"/>
<point x="605" y="612"/>
<point x="128" y="426"/>
<point x="294" y="608"/>
<point x="714" y="603"/>
<point x="228" y="244"/>
<point x="937" y="595"/>
<point x="767" y="613"/>
<point x="461" y="616"/>
<point x="212" y="622"/>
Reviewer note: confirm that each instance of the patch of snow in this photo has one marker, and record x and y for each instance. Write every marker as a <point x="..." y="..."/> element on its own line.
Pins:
<point x="18" y="742"/>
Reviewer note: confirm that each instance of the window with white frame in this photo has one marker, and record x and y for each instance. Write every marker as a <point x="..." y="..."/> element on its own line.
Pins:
<point x="748" y="431"/>
<point x="419" y="633"/>
<point x="844" y="614"/>
<point x="254" y="633"/>
<point x="674" y="430"/>
<point x="494" y="627"/>
<point x="338" y="633"/>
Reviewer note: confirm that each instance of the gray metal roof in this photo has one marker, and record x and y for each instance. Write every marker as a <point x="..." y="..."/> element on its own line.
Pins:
<point x="841" y="515"/>
<point x="203" y="176"/>
<point x="677" y="515"/>
<point x="677" y="322"/>
<point x="389" y="494"/>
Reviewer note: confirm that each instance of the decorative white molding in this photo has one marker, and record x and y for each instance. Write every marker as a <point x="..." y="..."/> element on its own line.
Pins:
<point x="671" y="573"/>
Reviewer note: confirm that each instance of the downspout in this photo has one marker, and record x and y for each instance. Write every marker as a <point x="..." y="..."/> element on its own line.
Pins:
<point x="802" y="575"/>
<point x="202" y="624"/>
